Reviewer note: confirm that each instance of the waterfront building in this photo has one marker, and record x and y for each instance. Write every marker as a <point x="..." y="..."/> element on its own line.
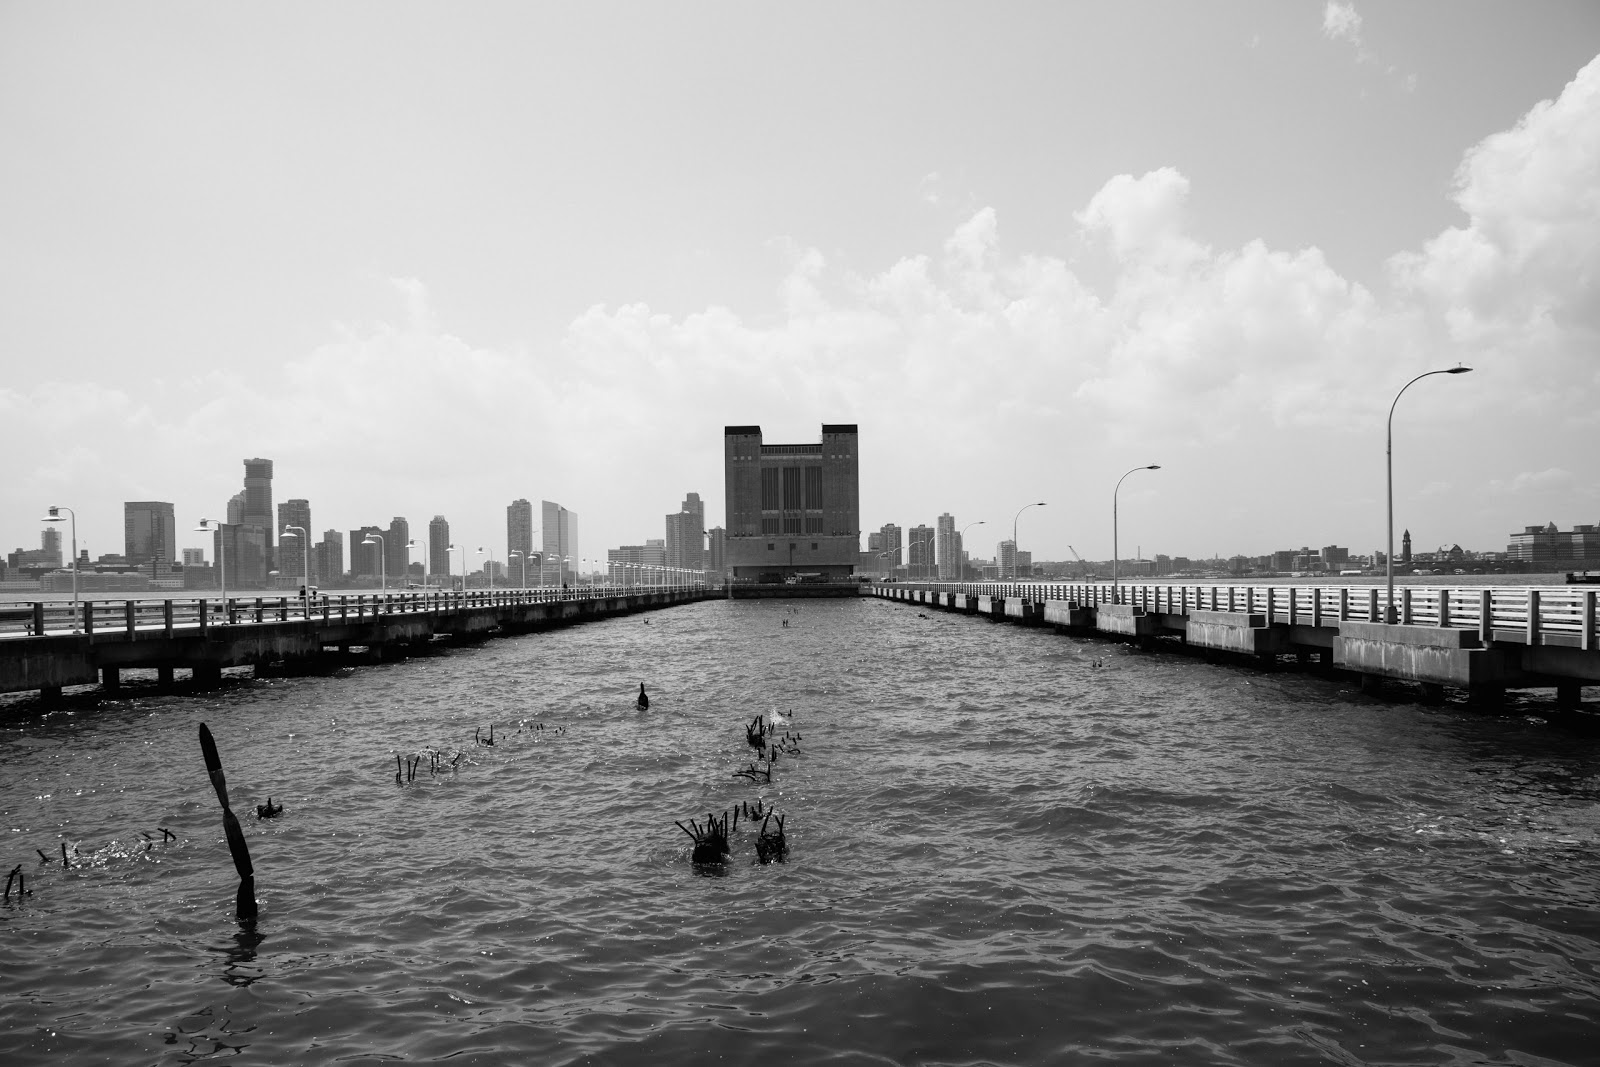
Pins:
<point x="329" y="561"/>
<point x="194" y="557"/>
<point x="560" y="542"/>
<point x="1005" y="559"/>
<point x="366" y="561"/>
<point x="258" y="510"/>
<point x="1405" y="547"/>
<point x="1335" y="558"/>
<point x="717" y="551"/>
<point x="293" y="553"/>
<point x="685" y="540"/>
<point x="149" y="536"/>
<point x="519" y="528"/>
<point x="1024" y="562"/>
<point x="948" y="548"/>
<point x="920" y="551"/>
<point x="50" y="542"/>
<point x="890" y="541"/>
<point x="397" y="558"/>
<point x="439" y="546"/>
<point x="792" y="508"/>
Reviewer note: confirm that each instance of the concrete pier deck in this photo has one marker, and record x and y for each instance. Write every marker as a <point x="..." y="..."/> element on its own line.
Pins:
<point x="1484" y="640"/>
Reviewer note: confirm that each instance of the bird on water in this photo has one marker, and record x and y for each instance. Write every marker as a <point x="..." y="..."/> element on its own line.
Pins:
<point x="643" y="701"/>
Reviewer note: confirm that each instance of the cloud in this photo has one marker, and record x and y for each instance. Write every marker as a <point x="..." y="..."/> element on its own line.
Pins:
<point x="978" y="368"/>
<point x="1341" y="22"/>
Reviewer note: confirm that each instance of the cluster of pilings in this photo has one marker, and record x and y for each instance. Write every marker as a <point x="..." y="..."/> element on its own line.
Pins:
<point x="713" y="841"/>
<point x="448" y="760"/>
<point x="17" y="878"/>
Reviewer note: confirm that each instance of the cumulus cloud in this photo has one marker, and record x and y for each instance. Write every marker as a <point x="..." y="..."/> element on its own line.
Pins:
<point x="1341" y="22"/>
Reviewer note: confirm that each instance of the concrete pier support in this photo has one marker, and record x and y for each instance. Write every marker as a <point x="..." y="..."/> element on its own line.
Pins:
<point x="1488" y="697"/>
<point x="50" y="696"/>
<point x="164" y="677"/>
<point x="110" y="679"/>
<point x="206" y="675"/>
<point x="1569" y="695"/>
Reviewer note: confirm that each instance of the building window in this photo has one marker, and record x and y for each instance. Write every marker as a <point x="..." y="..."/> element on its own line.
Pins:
<point x="813" y="546"/>
<point x="769" y="546"/>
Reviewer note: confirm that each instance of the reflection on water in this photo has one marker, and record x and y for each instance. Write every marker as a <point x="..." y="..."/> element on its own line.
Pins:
<point x="1004" y="846"/>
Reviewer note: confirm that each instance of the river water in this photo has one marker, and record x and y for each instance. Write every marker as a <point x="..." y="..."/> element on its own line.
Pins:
<point x="1006" y="846"/>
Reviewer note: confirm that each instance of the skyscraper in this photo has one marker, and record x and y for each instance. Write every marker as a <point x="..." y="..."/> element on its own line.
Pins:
<point x="791" y="508"/>
<point x="258" y="507"/>
<point x="685" y="538"/>
<point x="292" y="557"/>
<point x="560" y="543"/>
<point x="717" y="551"/>
<point x="149" y="535"/>
<point x="398" y="556"/>
<point x="519" y="528"/>
<point x="949" y="553"/>
<point x="919" y="551"/>
<point x="892" y="543"/>
<point x="50" y="542"/>
<point x="367" y="561"/>
<point x="330" y="557"/>
<point x="438" y="546"/>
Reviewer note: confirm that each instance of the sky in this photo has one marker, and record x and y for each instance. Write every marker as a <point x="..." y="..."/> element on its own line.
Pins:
<point x="431" y="258"/>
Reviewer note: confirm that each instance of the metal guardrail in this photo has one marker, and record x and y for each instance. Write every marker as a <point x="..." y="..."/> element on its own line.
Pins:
<point x="1531" y="615"/>
<point x="147" y="615"/>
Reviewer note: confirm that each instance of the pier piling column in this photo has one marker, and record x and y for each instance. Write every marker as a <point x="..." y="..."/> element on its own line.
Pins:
<point x="164" y="675"/>
<point x="1488" y="697"/>
<point x="206" y="675"/>
<point x="1569" y="695"/>
<point x="50" y="696"/>
<point x="110" y="679"/>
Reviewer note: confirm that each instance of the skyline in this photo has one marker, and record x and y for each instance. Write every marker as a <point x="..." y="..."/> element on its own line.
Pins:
<point x="432" y="264"/>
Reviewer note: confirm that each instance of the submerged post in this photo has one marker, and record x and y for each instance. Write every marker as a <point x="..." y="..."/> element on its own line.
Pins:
<point x="246" y="900"/>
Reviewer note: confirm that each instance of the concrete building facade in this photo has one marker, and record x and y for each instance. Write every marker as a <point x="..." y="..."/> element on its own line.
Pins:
<point x="920" y="548"/>
<point x="292" y="557"/>
<point x="792" y="508"/>
<point x="560" y="543"/>
<point x="439" y="546"/>
<point x="519" y="528"/>
<point x="150" y="536"/>
<point x="686" y="535"/>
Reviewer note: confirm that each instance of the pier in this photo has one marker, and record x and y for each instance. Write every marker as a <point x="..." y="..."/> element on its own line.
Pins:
<point x="46" y="646"/>
<point x="1479" y="639"/>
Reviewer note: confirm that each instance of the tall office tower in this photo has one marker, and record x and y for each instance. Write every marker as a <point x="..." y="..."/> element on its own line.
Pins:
<point x="330" y="558"/>
<point x="792" y="508"/>
<point x="1005" y="559"/>
<point x="368" y="561"/>
<point x="194" y="557"/>
<point x="686" y="535"/>
<point x="717" y="552"/>
<point x="892" y="543"/>
<point x="949" y="553"/>
<point x="241" y="547"/>
<point x="519" y="528"/>
<point x="438" y="546"/>
<point x="149" y="535"/>
<point x="919" y="551"/>
<point x="560" y="547"/>
<point x="395" y="539"/>
<point x="293" y="552"/>
<point x="258" y="506"/>
<point x="50" y="542"/>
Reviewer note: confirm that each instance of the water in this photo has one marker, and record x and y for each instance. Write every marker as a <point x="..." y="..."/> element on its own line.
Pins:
<point x="1000" y="853"/>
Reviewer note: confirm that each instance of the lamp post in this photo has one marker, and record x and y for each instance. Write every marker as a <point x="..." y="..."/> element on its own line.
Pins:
<point x="205" y="526"/>
<point x="305" y="563"/>
<point x="383" y="558"/>
<point x="524" y="557"/>
<point x="1148" y="467"/>
<point x="488" y="567"/>
<point x="53" y="514"/>
<point x="415" y="544"/>
<point x="961" y="539"/>
<point x="1388" y="462"/>
<point x="463" y="550"/>
<point x="1014" y="519"/>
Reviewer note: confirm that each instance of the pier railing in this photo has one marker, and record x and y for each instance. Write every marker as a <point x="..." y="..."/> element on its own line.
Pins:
<point x="153" y="615"/>
<point x="1534" y="615"/>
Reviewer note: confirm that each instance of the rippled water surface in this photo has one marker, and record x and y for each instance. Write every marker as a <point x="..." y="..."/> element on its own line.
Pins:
<point x="1007" y="846"/>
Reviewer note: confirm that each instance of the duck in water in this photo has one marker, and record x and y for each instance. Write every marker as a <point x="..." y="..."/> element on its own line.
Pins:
<point x="643" y="701"/>
<point x="269" y="810"/>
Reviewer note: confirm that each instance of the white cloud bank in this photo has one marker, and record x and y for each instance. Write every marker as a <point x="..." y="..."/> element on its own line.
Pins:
<point x="981" y="371"/>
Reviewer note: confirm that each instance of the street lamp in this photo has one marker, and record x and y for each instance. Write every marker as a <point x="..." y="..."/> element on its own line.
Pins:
<point x="206" y="526"/>
<point x="961" y="539"/>
<point x="414" y="543"/>
<point x="1388" y="460"/>
<point x="488" y="567"/>
<point x="1014" y="519"/>
<point x="53" y="514"/>
<point x="463" y="550"/>
<point x="383" y="558"/>
<point x="1149" y="467"/>
<point x="305" y="562"/>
